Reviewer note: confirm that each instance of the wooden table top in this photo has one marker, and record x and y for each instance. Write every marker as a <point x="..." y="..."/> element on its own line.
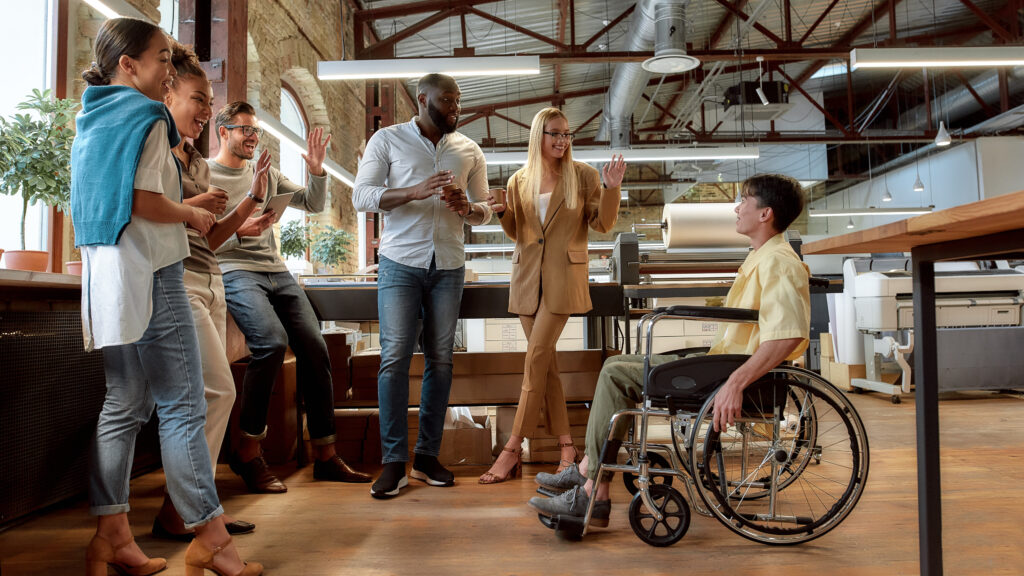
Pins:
<point x="982" y="218"/>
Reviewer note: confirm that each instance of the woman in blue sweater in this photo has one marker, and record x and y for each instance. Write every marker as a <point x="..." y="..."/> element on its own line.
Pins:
<point x="127" y="211"/>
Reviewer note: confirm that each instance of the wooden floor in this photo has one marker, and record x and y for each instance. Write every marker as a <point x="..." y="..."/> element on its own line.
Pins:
<point x="329" y="529"/>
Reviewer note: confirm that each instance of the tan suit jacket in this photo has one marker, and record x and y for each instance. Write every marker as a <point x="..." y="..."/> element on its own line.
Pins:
<point x="550" y="257"/>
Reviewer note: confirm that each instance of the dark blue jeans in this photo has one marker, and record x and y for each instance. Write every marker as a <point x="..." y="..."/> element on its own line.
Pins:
<point x="404" y="294"/>
<point x="274" y="313"/>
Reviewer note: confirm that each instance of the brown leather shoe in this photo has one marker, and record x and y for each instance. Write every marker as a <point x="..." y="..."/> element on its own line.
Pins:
<point x="335" y="470"/>
<point x="257" y="476"/>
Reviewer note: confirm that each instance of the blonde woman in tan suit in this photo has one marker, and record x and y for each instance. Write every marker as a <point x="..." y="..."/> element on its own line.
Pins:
<point x="550" y="204"/>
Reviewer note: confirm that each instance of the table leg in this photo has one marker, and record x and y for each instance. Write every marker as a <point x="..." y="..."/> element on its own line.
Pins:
<point x="929" y="494"/>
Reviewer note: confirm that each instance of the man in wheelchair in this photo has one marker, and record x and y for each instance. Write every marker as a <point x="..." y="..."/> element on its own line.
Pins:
<point x="772" y="280"/>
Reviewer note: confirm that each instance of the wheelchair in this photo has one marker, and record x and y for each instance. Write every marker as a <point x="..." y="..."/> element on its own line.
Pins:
<point x="790" y="469"/>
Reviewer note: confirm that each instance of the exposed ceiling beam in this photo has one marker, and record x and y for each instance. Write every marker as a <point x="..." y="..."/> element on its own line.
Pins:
<point x="881" y="9"/>
<point x="738" y="12"/>
<point x="988" y="21"/>
<point x="724" y="24"/>
<point x="608" y="27"/>
<point x="381" y="48"/>
<point x="399" y="10"/>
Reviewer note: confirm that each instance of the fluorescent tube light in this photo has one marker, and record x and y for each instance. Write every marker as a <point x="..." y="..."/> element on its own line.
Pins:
<point x="416" y="67"/>
<point x="598" y="156"/>
<point x="487" y="229"/>
<point x="117" y="9"/>
<point x="813" y="213"/>
<point x="982" y="56"/>
<point x="287" y="137"/>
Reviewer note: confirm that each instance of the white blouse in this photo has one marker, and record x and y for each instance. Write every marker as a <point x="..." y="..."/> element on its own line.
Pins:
<point x="117" y="281"/>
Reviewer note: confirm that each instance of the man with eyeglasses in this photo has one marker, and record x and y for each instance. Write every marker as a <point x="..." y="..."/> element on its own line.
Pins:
<point x="268" y="305"/>
<point x="422" y="267"/>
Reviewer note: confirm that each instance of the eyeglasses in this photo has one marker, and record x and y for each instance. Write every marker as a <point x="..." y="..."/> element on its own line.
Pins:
<point x="560" y="135"/>
<point x="246" y="129"/>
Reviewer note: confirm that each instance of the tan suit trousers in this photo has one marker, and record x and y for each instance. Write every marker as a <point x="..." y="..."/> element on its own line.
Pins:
<point x="541" y="384"/>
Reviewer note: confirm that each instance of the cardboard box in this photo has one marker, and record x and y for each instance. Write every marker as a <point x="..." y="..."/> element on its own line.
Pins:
<point x="825" y="342"/>
<point x="841" y="374"/>
<point x="825" y="363"/>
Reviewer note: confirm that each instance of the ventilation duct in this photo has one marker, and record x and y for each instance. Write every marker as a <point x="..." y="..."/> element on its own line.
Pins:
<point x="630" y="78"/>
<point x="959" y="102"/>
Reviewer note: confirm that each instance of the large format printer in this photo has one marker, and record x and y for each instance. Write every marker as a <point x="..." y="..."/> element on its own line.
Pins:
<point x="978" y="316"/>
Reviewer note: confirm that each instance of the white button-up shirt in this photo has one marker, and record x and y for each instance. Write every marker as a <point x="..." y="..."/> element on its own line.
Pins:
<point x="400" y="156"/>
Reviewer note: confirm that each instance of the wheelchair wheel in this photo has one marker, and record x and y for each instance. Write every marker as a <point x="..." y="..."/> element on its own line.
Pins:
<point x="757" y="477"/>
<point x="656" y="461"/>
<point x="675" y="516"/>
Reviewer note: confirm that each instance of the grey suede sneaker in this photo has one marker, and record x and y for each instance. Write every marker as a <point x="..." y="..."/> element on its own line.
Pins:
<point x="573" y="502"/>
<point x="567" y="479"/>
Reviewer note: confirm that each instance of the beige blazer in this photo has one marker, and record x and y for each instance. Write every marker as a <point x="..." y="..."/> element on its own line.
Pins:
<point x="550" y="258"/>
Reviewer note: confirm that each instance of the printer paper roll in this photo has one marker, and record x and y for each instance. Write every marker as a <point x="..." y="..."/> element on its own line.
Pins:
<point x="710" y="225"/>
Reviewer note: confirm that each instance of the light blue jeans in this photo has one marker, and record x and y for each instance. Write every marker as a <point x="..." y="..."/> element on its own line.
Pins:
<point x="162" y="370"/>
<point x="404" y="295"/>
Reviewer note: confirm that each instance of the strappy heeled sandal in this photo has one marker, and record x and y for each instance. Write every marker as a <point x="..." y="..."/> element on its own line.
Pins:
<point x="563" y="464"/>
<point x="198" y="559"/>
<point x="100" y="554"/>
<point x="492" y="478"/>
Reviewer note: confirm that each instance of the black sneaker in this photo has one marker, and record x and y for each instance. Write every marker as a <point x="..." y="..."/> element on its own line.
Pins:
<point x="429" y="470"/>
<point x="390" y="481"/>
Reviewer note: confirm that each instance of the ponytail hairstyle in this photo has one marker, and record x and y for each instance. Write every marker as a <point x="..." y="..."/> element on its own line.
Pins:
<point x="118" y="37"/>
<point x="532" y="172"/>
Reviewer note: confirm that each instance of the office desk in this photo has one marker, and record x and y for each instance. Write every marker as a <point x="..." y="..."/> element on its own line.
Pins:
<point x="980" y="230"/>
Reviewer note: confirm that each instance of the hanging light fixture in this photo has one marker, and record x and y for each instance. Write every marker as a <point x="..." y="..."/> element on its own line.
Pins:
<point x="850" y="224"/>
<point x="942" y="136"/>
<point x="887" y="197"/>
<point x="918" y="185"/>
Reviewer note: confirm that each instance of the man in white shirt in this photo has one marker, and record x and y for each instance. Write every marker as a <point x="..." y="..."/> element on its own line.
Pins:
<point x="421" y="269"/>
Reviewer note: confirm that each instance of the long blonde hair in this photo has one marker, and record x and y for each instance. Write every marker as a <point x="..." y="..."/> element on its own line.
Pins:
<point x="532" y="173"/>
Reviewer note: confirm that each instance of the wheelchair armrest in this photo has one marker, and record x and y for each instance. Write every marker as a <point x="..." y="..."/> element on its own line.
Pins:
<point x="684" y="352"/>
<point x="710" y="313"/>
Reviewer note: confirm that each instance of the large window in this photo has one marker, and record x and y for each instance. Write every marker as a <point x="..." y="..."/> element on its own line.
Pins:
<point x="292" y="164"/>
<point x="26" y="35"/>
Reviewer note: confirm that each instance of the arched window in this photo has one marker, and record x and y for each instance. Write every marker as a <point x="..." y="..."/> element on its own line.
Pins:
<point x="292" y="164"/>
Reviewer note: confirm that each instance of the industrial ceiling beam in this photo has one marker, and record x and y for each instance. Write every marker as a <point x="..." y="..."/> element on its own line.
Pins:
<point x="608" y="27"/>
<point x="988" y="21"/>
<point x="379" y="49"/>
<point x="881" y="9"/>
<point x="757" y="25"/>
<point x="400" y="10"/>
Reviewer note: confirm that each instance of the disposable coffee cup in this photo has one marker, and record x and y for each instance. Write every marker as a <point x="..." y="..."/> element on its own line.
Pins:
<point x="499" y="195"/>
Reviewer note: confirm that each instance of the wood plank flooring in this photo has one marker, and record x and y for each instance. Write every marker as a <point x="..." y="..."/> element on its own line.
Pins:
<point x="331" y="529"/>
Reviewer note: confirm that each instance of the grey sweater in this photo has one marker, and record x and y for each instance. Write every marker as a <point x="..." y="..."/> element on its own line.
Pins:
<point x="259" y="253"/>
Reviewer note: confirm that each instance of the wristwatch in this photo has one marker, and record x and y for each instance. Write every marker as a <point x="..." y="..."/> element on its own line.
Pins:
<point x="253" y="197"/>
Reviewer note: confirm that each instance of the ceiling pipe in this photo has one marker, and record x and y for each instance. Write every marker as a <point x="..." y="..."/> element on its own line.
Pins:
<point x="959" y="102"/>
<point x="630" y="78"/>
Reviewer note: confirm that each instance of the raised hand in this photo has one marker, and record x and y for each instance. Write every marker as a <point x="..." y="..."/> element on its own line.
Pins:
<point x="431" y="185"/>
<point x="259" y="180"/>
<point x="316" y="151"/>
<point x="613" y="172"/>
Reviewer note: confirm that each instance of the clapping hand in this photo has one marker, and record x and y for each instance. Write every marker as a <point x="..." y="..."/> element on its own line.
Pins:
<point x="316" y="151"/>
<point x="259" y="180"/>
<point x="613" y="172"/>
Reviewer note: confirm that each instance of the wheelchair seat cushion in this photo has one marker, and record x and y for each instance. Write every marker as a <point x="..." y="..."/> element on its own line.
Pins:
<point x="689" y="381"/>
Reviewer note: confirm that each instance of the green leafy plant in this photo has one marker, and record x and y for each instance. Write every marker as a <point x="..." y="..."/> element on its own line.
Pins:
<point x="294" y="239"/>
<point x="330" y="246"/>
<point x="35" y="153"/>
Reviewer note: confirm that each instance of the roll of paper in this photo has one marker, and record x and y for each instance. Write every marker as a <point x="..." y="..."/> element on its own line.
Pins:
<point x="709" y="225"/>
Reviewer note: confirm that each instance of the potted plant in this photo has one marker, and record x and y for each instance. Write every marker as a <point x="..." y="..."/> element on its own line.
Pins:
<point x="329" y="246"/>
<point x="35" y="162"/>
<point x="294" y="239"/>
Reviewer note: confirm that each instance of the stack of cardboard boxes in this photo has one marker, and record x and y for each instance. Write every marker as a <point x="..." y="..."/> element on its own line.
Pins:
<point x="838" y="374"/>
<point x="541" y="446"/>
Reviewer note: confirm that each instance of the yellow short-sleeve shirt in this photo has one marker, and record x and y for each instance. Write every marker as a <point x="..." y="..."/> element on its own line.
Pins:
<point x="774" y="281"/>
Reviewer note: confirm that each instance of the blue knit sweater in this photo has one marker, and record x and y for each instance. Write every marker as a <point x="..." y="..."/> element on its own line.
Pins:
<point x="112" y="129"/>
